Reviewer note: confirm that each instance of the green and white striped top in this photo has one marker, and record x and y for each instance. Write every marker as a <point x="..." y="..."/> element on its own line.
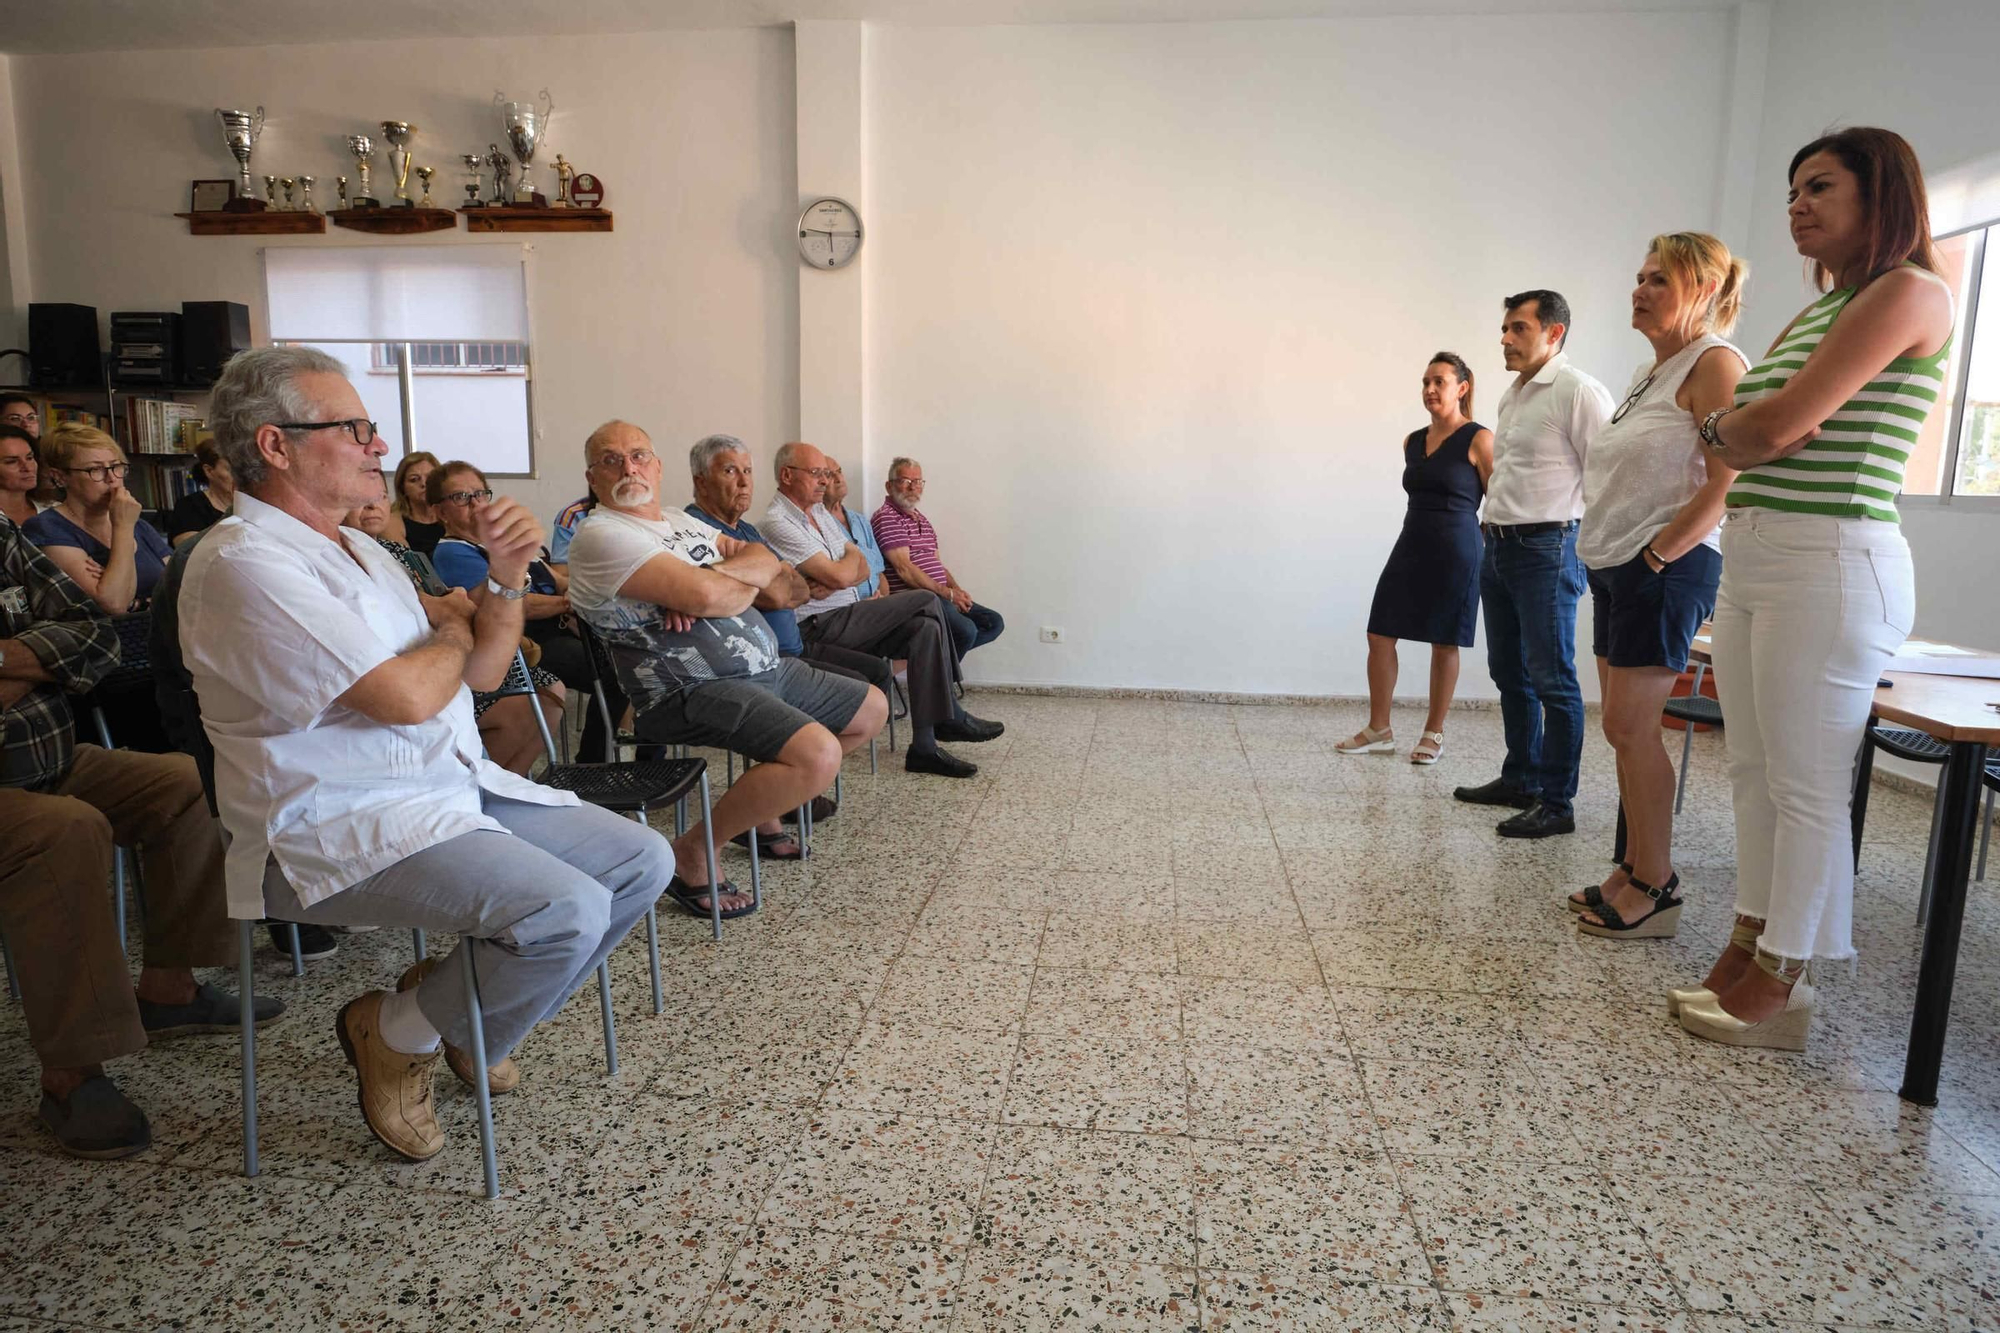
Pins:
<point x="1854" y="468"/>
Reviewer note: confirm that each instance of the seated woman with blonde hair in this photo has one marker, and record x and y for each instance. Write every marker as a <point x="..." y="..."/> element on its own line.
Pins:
<point x="95" y="535"/>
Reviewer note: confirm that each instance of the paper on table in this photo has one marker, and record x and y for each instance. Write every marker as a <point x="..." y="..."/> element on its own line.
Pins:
<point x="1945" y="659"/>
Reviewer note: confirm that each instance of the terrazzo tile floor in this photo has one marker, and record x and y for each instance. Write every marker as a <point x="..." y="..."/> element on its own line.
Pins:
<point x="1172" y="1019"/>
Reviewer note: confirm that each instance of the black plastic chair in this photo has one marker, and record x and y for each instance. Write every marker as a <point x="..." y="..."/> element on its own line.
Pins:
<point x="1919" y="748"/>
<point x="133" y="673"/>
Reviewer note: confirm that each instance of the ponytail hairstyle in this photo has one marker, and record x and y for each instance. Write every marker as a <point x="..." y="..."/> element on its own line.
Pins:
<point x="1464" y="373"/>
<point x="1892" y="192"/>
<point x="1694" y="260"/>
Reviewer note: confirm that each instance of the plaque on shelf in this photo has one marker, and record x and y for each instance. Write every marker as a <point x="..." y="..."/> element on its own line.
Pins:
<point x="211" y="196"/>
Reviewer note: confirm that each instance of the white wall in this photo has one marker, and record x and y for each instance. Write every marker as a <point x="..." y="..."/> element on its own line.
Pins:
<point x="1151" y="302"/>
<point x="1925" y="71"/>
<point x="683" y="319"/>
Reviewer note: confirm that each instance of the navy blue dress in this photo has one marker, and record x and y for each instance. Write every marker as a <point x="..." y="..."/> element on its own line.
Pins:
<point x="1429" y="590"/>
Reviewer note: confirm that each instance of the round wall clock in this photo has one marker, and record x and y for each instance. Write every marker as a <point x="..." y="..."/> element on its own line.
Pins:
<point x="829" y="233"/>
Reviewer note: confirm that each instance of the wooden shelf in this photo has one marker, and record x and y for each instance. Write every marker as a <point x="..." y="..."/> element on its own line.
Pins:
<point x="269" y="223"/>
<point x="537" y="219"/>
<point x="394" y="221"/>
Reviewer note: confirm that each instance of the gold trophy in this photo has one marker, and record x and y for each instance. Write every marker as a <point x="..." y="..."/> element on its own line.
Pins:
<point x="424" y="174"/>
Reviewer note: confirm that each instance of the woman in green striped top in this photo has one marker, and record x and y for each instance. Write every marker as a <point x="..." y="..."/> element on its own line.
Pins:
<point x="1817" y="588"/>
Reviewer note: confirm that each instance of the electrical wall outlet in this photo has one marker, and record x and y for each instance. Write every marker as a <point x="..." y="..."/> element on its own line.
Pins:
<point x="1050" y="634"/>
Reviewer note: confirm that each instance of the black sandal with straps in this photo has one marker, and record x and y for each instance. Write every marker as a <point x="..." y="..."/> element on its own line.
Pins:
<point x="1593" y="895"/>
<point x="1662" y="923"/>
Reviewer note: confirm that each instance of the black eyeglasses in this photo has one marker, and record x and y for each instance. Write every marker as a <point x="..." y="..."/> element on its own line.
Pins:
<point x="361" y="428"/>
<point x="102" y="471"/>
<point x="1632" y="398"/>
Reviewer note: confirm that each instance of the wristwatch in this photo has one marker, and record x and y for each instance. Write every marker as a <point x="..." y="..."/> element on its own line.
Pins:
<point x="1708" y="432"/>
<point x="507" y="594"/>
<point x="1647" y="549"/>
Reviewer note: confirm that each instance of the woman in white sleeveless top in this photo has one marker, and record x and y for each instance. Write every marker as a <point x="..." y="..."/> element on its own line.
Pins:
<point x="1652" y="515"/>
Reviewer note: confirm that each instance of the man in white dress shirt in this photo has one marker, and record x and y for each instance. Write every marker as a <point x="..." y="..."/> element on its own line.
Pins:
<point x="1530" y="579"/>
<point x="348" y="768"/>
<point x="908" y="625"/>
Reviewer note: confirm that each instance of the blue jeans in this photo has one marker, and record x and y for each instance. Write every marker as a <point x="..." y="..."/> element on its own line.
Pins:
<point x="970" y="629"/>
<point x="1529" y="587"/>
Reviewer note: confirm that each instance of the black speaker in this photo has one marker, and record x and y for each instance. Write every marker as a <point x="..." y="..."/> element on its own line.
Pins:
<point x="62" y="346"/>
<point x="211" y="333"/>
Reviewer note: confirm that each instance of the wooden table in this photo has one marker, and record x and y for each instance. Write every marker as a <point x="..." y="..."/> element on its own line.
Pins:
<point x="1954" y="710"/>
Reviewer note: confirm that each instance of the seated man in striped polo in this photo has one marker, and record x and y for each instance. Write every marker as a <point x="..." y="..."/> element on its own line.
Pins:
<point x="910" y="550"/>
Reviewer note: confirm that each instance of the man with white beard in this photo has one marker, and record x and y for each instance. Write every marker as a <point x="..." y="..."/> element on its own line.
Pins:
<point x="672" y="598"/>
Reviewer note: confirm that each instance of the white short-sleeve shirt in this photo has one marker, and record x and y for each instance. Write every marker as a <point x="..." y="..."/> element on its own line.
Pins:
<point x="797" y="536"/>
<point x="277" y="622"/>
<point x="1539" y="440"/>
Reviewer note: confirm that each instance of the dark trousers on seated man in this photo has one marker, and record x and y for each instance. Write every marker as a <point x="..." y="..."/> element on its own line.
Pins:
<point x="55" y="909"/>
<point x="908" y="625"/>
<point x="1529" y="585"/>
<point x="974" y="628"/>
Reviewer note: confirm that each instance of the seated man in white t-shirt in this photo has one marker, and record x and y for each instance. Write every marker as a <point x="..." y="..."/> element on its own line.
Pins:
<point x="672" y="598"/>
<point x="348" y="769"/>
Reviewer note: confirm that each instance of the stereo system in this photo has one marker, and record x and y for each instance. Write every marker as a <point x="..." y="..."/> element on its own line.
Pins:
<point x="169" y="348"/>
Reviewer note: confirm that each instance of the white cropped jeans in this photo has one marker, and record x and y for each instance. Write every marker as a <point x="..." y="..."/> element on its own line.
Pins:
<point x="1809" y="611"/>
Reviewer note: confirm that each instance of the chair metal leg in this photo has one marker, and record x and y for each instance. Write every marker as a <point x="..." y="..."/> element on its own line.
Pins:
<point x="482" y="1093"/>
<point x="13" y="982"/>
<point x="246" y="983"/>
<point x="871" y="756"/>
<point x="836" y="788"/>
<point x="756" y="870"/>
<point x="1687" y="748"/>
<point x="653" y="937"/>
<point x="1864" y="780"/>
<point x="714" y="877"/>
<point x="610" y="1023"/>
<point x="1930" y="857"/>
<point x="118" y="893"/>
<point x="1985" y="836"/>
<point x="729" y="758"/>
<point x="805" y="829"/>
<point x="420" y="944"/>
<point x="298" y="958"/>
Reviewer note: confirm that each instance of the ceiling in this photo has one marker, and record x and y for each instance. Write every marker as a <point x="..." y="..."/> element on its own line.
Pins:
<point x="36" y="27"/>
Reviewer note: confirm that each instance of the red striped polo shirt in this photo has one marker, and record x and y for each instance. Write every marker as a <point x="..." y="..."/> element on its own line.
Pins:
<point x="913" y="532"/>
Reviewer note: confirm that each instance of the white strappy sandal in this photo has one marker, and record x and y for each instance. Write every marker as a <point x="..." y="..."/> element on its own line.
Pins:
<point x="1428" y="748"/>
<point x="1371" y="742"/>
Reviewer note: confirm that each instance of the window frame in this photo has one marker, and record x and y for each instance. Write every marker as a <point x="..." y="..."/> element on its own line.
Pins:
<point x="1947" y="496"/>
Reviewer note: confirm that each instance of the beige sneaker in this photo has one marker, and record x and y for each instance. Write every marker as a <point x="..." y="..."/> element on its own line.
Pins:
<point x="395" y="1088"/>
<point x="500" y="1079"/>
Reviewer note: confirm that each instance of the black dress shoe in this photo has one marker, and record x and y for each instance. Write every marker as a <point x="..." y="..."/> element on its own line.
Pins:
<point x="823" y="809"/>
<point x="1497" y="792"/>
<point x="314" y="941"/>
<point x="938" y="762"/>
<point x="1537" y="821"/>
<point x="969" y="729"/>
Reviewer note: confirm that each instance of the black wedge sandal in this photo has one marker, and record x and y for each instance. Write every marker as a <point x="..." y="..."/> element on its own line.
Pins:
<point x="1592" y="895"/>
<point x="1662" y="923"/>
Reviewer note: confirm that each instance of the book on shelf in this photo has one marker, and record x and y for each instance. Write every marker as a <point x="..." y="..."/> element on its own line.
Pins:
<point x="52" y="412"/>
<point x="154" y="425"/>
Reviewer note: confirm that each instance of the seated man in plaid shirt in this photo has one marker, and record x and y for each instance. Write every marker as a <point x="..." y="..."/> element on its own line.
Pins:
<point x="63" y="806"/>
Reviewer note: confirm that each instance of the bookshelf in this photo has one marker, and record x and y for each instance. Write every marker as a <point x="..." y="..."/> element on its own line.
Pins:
<point x="145" y="420"/>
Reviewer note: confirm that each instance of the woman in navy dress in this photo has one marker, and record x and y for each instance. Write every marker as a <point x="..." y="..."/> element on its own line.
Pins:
<point x="1429" y="590"/>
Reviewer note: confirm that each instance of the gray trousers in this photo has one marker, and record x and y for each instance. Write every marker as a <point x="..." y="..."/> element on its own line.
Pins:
<point x="539" y="910"/>
<point x="905" y="624"/>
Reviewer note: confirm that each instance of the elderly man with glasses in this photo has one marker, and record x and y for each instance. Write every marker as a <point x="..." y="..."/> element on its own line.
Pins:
<point x="348" y="768"/>
<point x="908" y="625"/>
<point x="910" y="551"/>
<point x="675" y="600"/>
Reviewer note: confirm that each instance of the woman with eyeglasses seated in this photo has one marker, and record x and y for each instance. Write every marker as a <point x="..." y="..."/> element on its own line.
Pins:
<point x="95" y="535"/>
<point x="456" y="491"/>
<point x="1651" y="541"/>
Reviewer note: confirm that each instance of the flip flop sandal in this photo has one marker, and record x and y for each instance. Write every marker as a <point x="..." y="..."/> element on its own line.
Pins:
<point x="689" y="896"/>
<point x="764" y="841"/>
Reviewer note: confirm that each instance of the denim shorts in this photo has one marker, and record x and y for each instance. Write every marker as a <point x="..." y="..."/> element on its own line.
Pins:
<point x="755" y="715"/>
<point x="1643" y="619"/>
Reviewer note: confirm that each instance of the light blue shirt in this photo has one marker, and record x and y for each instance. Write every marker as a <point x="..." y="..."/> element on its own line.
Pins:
<point x="862" y="533"/>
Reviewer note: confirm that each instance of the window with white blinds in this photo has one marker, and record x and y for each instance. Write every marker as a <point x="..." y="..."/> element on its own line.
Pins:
<point x="435" y="339"/>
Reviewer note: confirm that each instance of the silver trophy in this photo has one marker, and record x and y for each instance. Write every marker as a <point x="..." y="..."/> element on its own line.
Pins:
<point x="271" y="191"/>
<point x="473" y="162"/>
<point x="363" y="149"/>
<point x="399" y="133"/>
<point x="424" y="174"/>
<point x="526" y="125"/>
<point x="306" y="196"/>
<point x="503" y="169"/>
<point x="239" y="133"/>
<point x="287" y="182"/>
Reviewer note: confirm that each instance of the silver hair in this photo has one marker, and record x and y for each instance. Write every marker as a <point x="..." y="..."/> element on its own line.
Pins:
<point x="708" y="448"/>
<point x="787" y="456"/>
<point x="259" y="388"/>
<point x="898" y="463"/>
